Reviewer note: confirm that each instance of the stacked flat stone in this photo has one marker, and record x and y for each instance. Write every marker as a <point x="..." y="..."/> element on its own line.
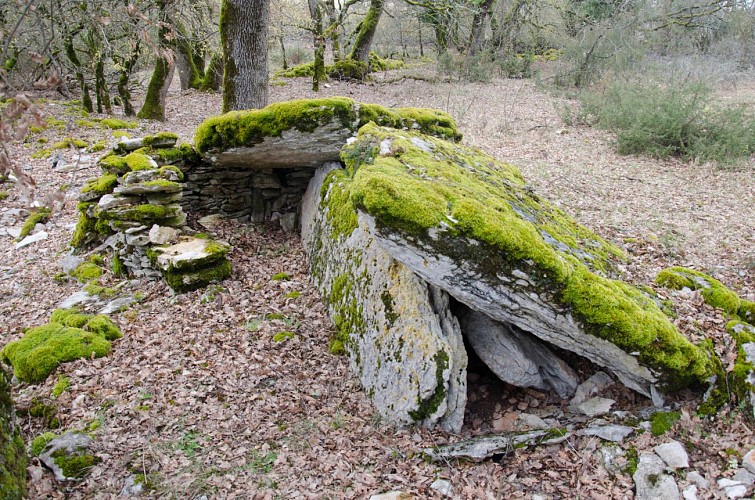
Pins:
<point x="137" y="205"/>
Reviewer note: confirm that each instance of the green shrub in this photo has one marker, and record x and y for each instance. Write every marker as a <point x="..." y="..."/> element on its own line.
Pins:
<point x="672" y="120"/>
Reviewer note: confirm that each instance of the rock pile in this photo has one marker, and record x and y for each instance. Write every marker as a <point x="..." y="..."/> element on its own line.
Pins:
<point x="136" y="208"/>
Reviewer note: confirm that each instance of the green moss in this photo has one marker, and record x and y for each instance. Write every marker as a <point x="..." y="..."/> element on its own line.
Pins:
<point x="98" y="146"/>
<point x="70" y="335"/>
<point x="74" y="466"/>
<point x="153" y="108"/>
<point x="340" y="211"/>
<point x="68" y="142"/>
<point x="348" y="69"/>
<point x="101" y="186"/>
<point x="41" y="154"/>
<point x="390" y="313"/>
<point x="38" y="443"/>
<point x="116" y="124"/>
<point x="85" y="227"/>
<point x="139" y="161"/>
<point x="746" y="311"/>
<point x="293" y="295"/>
<point x="713" y="291"/>
<point x="443" y="194"/>
<point x="47" y="413"/>
<point x="113" y="164"/>
<point x="117" y="266"/>
<point x="139" y="213"/>
<point x="298" y="71"/>
<point x="4" y="195"/>
<point x="280" y="277"/>
<point x="12" y="450"/>
<point x="160" y="137"/>
<point x="662" y="421"/>
<point x="87" y="271"/>
<point x="39" y="216"/>
<point x="283" y="336"/>
<point x="738" y="381"/>
<point x="246" y="128"/>
<point x="430" y="405"/>
<point x="184" y="281"/>
<point x="61" y="386"/>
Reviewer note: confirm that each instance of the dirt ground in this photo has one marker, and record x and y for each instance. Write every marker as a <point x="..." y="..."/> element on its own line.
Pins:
<point x="199" y="399"/>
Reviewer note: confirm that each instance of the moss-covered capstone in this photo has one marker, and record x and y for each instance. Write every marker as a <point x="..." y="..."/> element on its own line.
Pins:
<point x="306" y="132"/>
<point x="469" y="224"/>
<point x="70" y="335"/>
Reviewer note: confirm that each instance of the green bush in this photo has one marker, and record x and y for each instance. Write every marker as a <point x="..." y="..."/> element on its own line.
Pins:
<point x="663" y="120"/>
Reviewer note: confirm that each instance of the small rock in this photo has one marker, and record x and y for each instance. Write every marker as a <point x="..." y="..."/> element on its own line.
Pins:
<point x="288" y="222"/>
<point x="210" y="221"/>
<point x="161" y="235"/>
<point x="615" y="433"/>
<point x="72" y="444"/>
<point x="131" y="488"/>
<point x="505" y="423"/>
<point x="117" y="305"/>
<point x="673" y="454"/>
<point x="392" y="495"/>
<point x="699" y="480"/>
<point x="444" y="487"/>
<point x="608" y="456"/>
<point x="530" y="422"/>
<point x="690" y="492"/>
<point x="70" y="263"/>
<point x="596" y="383"/>
<point x="651" y="482"/>
<point x="77" y="298"/>
<point x="743" y="477"/>
<point x="732" y="489"/>
<point x="42" y="235"/>
<point x="748" y="461"/>
<point x="595" y="406"/>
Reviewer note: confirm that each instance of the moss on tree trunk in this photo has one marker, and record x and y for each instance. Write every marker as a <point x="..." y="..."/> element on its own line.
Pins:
<point x="70" y="50"/>
<point x="157" y="91"/>
<point x="366" y="32"/>
<point x="100" y="87"/>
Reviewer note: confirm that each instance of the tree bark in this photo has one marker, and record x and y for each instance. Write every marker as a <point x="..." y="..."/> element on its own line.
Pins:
<point x="366" y="32"/>
<point x="157" y="90"/>
<point x="478" y="26"/>
<point x="243" y="34"/>
<point x="318" y="69"/>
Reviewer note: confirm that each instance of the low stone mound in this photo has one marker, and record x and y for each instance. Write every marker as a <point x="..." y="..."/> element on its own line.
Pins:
<point x="192" y="263"/>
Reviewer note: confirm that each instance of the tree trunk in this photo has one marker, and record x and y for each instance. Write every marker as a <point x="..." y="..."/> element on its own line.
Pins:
<point x="157" y="90"/>
<point x="100" y="87"/>
<point x="189" y="62"/>
<point x="243" y="34"/>
<point x="478" y="26"/>
<point x="318" y="69"/>
<point x="213" y="77"/>
<point x="283" y="51"/>
<point x="86" y="99"/>
<point x="366" y="32"/>
<point x="127" y="66"/>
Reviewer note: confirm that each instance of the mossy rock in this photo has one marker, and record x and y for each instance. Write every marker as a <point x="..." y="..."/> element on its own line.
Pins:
<point x="69" y="336"/>
<point x="713" y="291"/>
<point x="194" y="279"/>
<point x="39" y="216"/>
<point x="438" y="201"/>
<point x="12" y="450"/>
<point x="244" y="129"/>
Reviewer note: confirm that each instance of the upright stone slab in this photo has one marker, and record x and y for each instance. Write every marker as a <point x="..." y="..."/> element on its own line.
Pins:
<point x="12" y="449"/>
<point x="402" y="342"/>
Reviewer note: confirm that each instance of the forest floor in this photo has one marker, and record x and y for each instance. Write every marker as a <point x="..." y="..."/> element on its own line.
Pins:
<point x="198" y="398"/>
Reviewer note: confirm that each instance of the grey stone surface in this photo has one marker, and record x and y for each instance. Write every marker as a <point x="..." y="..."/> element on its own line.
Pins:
<point x="161" y="235"/>
<point x="674" y="454"/>
<point x="590" y="387"/>
<point x="405" y="348"/>
<point x="132" y="487"/>
<point x="652" y="482"/>
<point x="31" y="239"/>
<point x="732" y="489"/>
<point x="70" y="443"/>
<point x="480" y="448"/>
<point x="443" y="487"/>
<point x="594" y="407"/>
<point x="504" y="300"/>
<point x="690" y="492"/>
<point x="698" y="479"/>
<point x="78" y="298"/>
<point x="117" y="305"/>
<point x="748" y="461"/>
<point x="517" y="357"/>
<point x="610" y="432"/>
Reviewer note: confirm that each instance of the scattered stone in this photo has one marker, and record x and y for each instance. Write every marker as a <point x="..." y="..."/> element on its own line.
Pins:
<point x="210" y="221"/>
<point x="118" y="305"/>
<point x="34" y="238"/>
<point x="731" y="488"/>
<point x="611" y="432"/>
<point x="392" y="495"/>
<point x="651" y="481"/>
<point x="744" y="477"/>
<point x="78" y="298"/>
<point x="132" y="487"/>
<point x="444" y="487"/>
<point x="690" y="492"/>
<point x="590" y="387"/>
<point x="480" y="448"/>
<point x="66" y="456"/>
<point x="162" y="235"/>
<point x="748" y="461"/>
<point x="70" y="262"/>
<point x="594" y="407"/>
<point x="608" y="457"/>
<point x="13" y="231"/>
<point x="699" y="480"/>
<point x="673" y="454"/>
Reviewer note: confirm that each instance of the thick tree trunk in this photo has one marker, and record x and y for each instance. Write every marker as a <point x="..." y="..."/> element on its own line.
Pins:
<point x="157" y="90"/>
<point x="127" y="66"/>
<point x="213" y="77"/>
<point x="100" y="87"/>
<point x="243" y="34"/>
<point x="86" y="99"/>
<point x="478" y="26"/>
<point x="366" y="32"/>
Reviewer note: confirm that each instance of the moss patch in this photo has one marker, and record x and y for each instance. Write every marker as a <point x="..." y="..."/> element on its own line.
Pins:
<point x="12" y="450"/>
<point x="116" y="124"/>
<point x="281" y="277"/>
<point x="713" y="291"/>
<point x="74" y="466"/>
<point x="283" y="336"/>
<point x="39" y="216"/>
<point x="661" y="422"/>
<point x="87" y="271"/>
<point x="70" y="335"/>
<point x="101" y="186"/>
<point x="444" y="194"/>
<point x="61" y="386"/>
<point x="38" y="443"/>
<point x="188" y="280"/>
